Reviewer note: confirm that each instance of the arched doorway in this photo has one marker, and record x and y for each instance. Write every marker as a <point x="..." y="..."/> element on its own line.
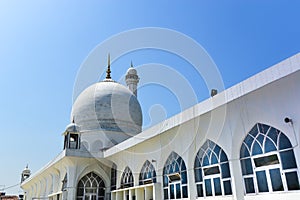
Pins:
<point x="91" y="187"/>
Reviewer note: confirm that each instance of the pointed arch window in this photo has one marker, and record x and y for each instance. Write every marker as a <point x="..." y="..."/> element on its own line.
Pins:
<point x="175" y="178"/>
<point x="211" y="170"/>
<point x="147" y="174"/>
<point x="113" y="177"/>
<point x="91" y="186"/>
<point x="268" y="162"/>
<point x="127" y="178"/>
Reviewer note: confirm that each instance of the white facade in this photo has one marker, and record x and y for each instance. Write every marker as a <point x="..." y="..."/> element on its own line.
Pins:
<point x="253" y="153"/>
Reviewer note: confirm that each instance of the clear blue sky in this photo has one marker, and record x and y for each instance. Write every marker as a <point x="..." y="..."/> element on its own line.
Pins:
<point x="43" y="43"/>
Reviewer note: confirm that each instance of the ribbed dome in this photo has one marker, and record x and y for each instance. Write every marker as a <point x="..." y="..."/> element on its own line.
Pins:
<point x="108" y="106"/>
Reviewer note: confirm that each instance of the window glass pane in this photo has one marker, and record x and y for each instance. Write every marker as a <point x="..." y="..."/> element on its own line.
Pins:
<point x="205" y="161"/>
<point x="101" y="192"/>
<point x="198" y="175"/>
<point x="211" y="144"/>
<point x="223" y="157"/>
<point x="263" y="128"/>
<point x="208" y="152"/>
<point x="172" y="195"/>
<point x="183" y="177"/>
<point x="249" y="186"/>
<point x="217" y="185"/>
<point x="244" y="151"/>
<point x="262" y="181"/>
<point x="166" y="195"/>
<point x="266" y="160"/>
<point x="178" y="192"/>
<point x="260" y="139"/>
<point x="276" y="180"/>
<point x="197" y="163"/>
<point x="288" y="159"/>
<point x="154" y="179"/>
<point x="292" y="180"/>
<point x="214" y="159"/>
<point x="200" y="190"/>
<point x="184" y="192"/>
<point x="80" y="191"/>
<point x="284" y="142"/>
<point x="273" y="134"/>
<point x="269" y="146"/>
<point x="246" y="166"/>
<point x="225" y="170"/>
<point x="227" y="187"/>
<point x="248" y="141"/>
<point x="182" y="166"/>
<point x="254" y="130"/>
<point x="211" y="170"/>
<point x="176" y="167"/>
<point x="208" y="189"/>
<point x="217" y="149"/>
<point x="256" y="149"/>
<point x="166" y="181"/>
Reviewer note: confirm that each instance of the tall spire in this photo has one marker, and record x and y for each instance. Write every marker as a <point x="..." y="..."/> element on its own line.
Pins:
<point x="108" y="68"/>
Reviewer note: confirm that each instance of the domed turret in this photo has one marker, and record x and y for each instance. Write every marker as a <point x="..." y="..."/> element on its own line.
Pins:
<point x="25" y="174"/>
<point x="72" y="136"/>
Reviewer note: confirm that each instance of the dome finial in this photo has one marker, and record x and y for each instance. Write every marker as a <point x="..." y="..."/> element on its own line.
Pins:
<point x="131" y="65"/>
<point x="108" y="68"/>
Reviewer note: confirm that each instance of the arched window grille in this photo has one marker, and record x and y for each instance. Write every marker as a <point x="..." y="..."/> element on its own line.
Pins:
<point x="175" y="178"/>
<point x="268" y="161"/>
<point x="113" y="177"/>
<point x="212" y="173"/>
<point x="91" y="186"/>
<point x="147" y="174"/>
<point x="127" y="178"/>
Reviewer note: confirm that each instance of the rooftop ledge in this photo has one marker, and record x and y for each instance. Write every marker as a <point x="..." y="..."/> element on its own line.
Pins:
<point x="276" y="72"/>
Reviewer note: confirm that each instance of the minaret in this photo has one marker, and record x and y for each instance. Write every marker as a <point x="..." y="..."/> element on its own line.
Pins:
<point x="132" y="79"/>
<point x="25" y="174"/>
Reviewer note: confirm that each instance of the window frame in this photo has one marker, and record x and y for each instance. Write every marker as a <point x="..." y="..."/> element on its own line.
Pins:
<point x="210" y="146"/>
<point x="173" y="161"/>
<point x="254" y="133"/>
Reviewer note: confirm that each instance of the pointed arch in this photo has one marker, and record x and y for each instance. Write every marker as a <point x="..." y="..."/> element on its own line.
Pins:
<point x="268" y="162"/>
<point x="113" y="177"/>
<point x="212" y="172"/>
<point x="175" y="177"/>
<point x="147" y="174"/>
<point x="91" y="186"/>
<point x="127" y="178"/>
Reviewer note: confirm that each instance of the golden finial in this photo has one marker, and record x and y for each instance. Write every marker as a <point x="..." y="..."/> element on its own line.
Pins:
<point x="108" y="68"/>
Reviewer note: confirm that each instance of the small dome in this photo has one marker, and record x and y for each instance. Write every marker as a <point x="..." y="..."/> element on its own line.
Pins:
<point x="72" y="128"/>
<point x="110" y="107"/>
<point x="26" y="170"/>
<point x="131" y="71"/>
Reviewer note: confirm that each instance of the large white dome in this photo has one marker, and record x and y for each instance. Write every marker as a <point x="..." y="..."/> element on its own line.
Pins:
<point x="109" y="107"/>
